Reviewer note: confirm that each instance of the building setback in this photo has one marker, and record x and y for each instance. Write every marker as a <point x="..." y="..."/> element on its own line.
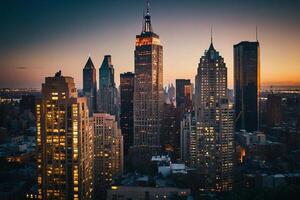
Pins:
<point x="64" y="141"/>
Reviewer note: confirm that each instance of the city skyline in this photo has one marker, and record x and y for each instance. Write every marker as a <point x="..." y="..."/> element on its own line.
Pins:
<point x="148" y="99"/>
<point x="40" y="46"/>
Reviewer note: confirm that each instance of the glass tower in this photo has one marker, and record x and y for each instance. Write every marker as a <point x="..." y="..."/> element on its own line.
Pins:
<point x="107" y="101"/>
<point x="90" y="85"/>
<point x="247" y="85"/>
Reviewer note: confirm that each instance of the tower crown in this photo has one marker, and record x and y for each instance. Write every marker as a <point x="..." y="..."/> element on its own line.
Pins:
<point x="89" y="64"/>
<point x="147" y="27"/>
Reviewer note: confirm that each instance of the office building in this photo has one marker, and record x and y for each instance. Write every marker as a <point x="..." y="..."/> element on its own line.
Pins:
<point x="126" y="114"/>
<point x="247" y="85"/>
<point x="107" y="101"/>
<point x="90" y="85"/>
<point x="64" y="141"/>
<point x="214" y="157"/>
<point x="188" y="140"/>
<point x="184" y="92"/>
<point x="148" y="92"/>
<point x="108" y="152"/>
<point x="170" y="132"/>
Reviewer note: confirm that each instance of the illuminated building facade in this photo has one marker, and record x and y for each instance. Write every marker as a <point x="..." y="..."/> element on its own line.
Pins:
<point x="90" y="85"/>
<point x="107" y="100"/>
<point x="126" y="114"/>
<point x="214" y="156"/>
<point x="108" y="152"/>
<point x="148" y="92"/>
<point x="188" y="140"/>
<point x="247" y="85"/>
<point x="64" y="141"/>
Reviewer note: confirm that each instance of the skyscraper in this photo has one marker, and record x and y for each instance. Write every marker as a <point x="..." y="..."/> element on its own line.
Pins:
<point x="108" y="152"/>
<point x="148" y="92"/>
<point x="188" y="140"/>
<point x="126" y="114"/>
<point x="107" y="101"/>
<point x="64" y="141"/>
<point x="170" y="131"/>
<point x="214" y="156"/>
<point x="183" y="93"/>
<point x="247" y="85"/>
<point x="90" y="85"/>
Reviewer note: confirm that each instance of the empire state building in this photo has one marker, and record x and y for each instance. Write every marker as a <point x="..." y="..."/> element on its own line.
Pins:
<point x="148" y="92"/>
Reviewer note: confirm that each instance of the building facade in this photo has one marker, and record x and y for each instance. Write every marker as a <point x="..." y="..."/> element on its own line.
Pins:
<point x="214" y="123"/>
<point x="148" y="92"/>
<point x="247" y="85"/>
<point x="188" y="140"/>
<point x="64" y="141"/>
<point x="108" y="152"/>
<point x="183" y="93"/>
<point x="108" y="93"/>
<point x="126" y="114"/>
<point x="170" y="132"/>
<point x="274" y="110"/>
<point x="90" y="85"/>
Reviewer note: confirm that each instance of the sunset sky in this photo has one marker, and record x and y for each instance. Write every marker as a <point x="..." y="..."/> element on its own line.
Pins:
<point x="38" y="38"/>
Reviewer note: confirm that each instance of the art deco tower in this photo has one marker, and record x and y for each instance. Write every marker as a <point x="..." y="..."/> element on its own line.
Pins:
<point x="148" y="91"/>
<point x="247" y="85"/>
<point x="107" y="101"/>
<point x="90" y="85"/>
<point x="64" y="141"/>
<point x="214" y="116"/>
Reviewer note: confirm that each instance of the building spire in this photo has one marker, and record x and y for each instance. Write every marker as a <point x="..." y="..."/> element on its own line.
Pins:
<point x="211" y="35"/>
<point x="147" y="28"/>
<point x="256" y="33"/>
<point x="211" y="46"/>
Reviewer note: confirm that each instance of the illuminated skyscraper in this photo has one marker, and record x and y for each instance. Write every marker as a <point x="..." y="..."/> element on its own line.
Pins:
<point x="107" y="101"/>
<point x="188" y="140"/>
<point x="214" y="156"/>
<point x="108" y="152"/>
<point x="90" y="85"/>
<point x="64" y="141"/>
<point x="148" y="92"/>
<point x="126" y="114"/>
<point x="247" y="85"/>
